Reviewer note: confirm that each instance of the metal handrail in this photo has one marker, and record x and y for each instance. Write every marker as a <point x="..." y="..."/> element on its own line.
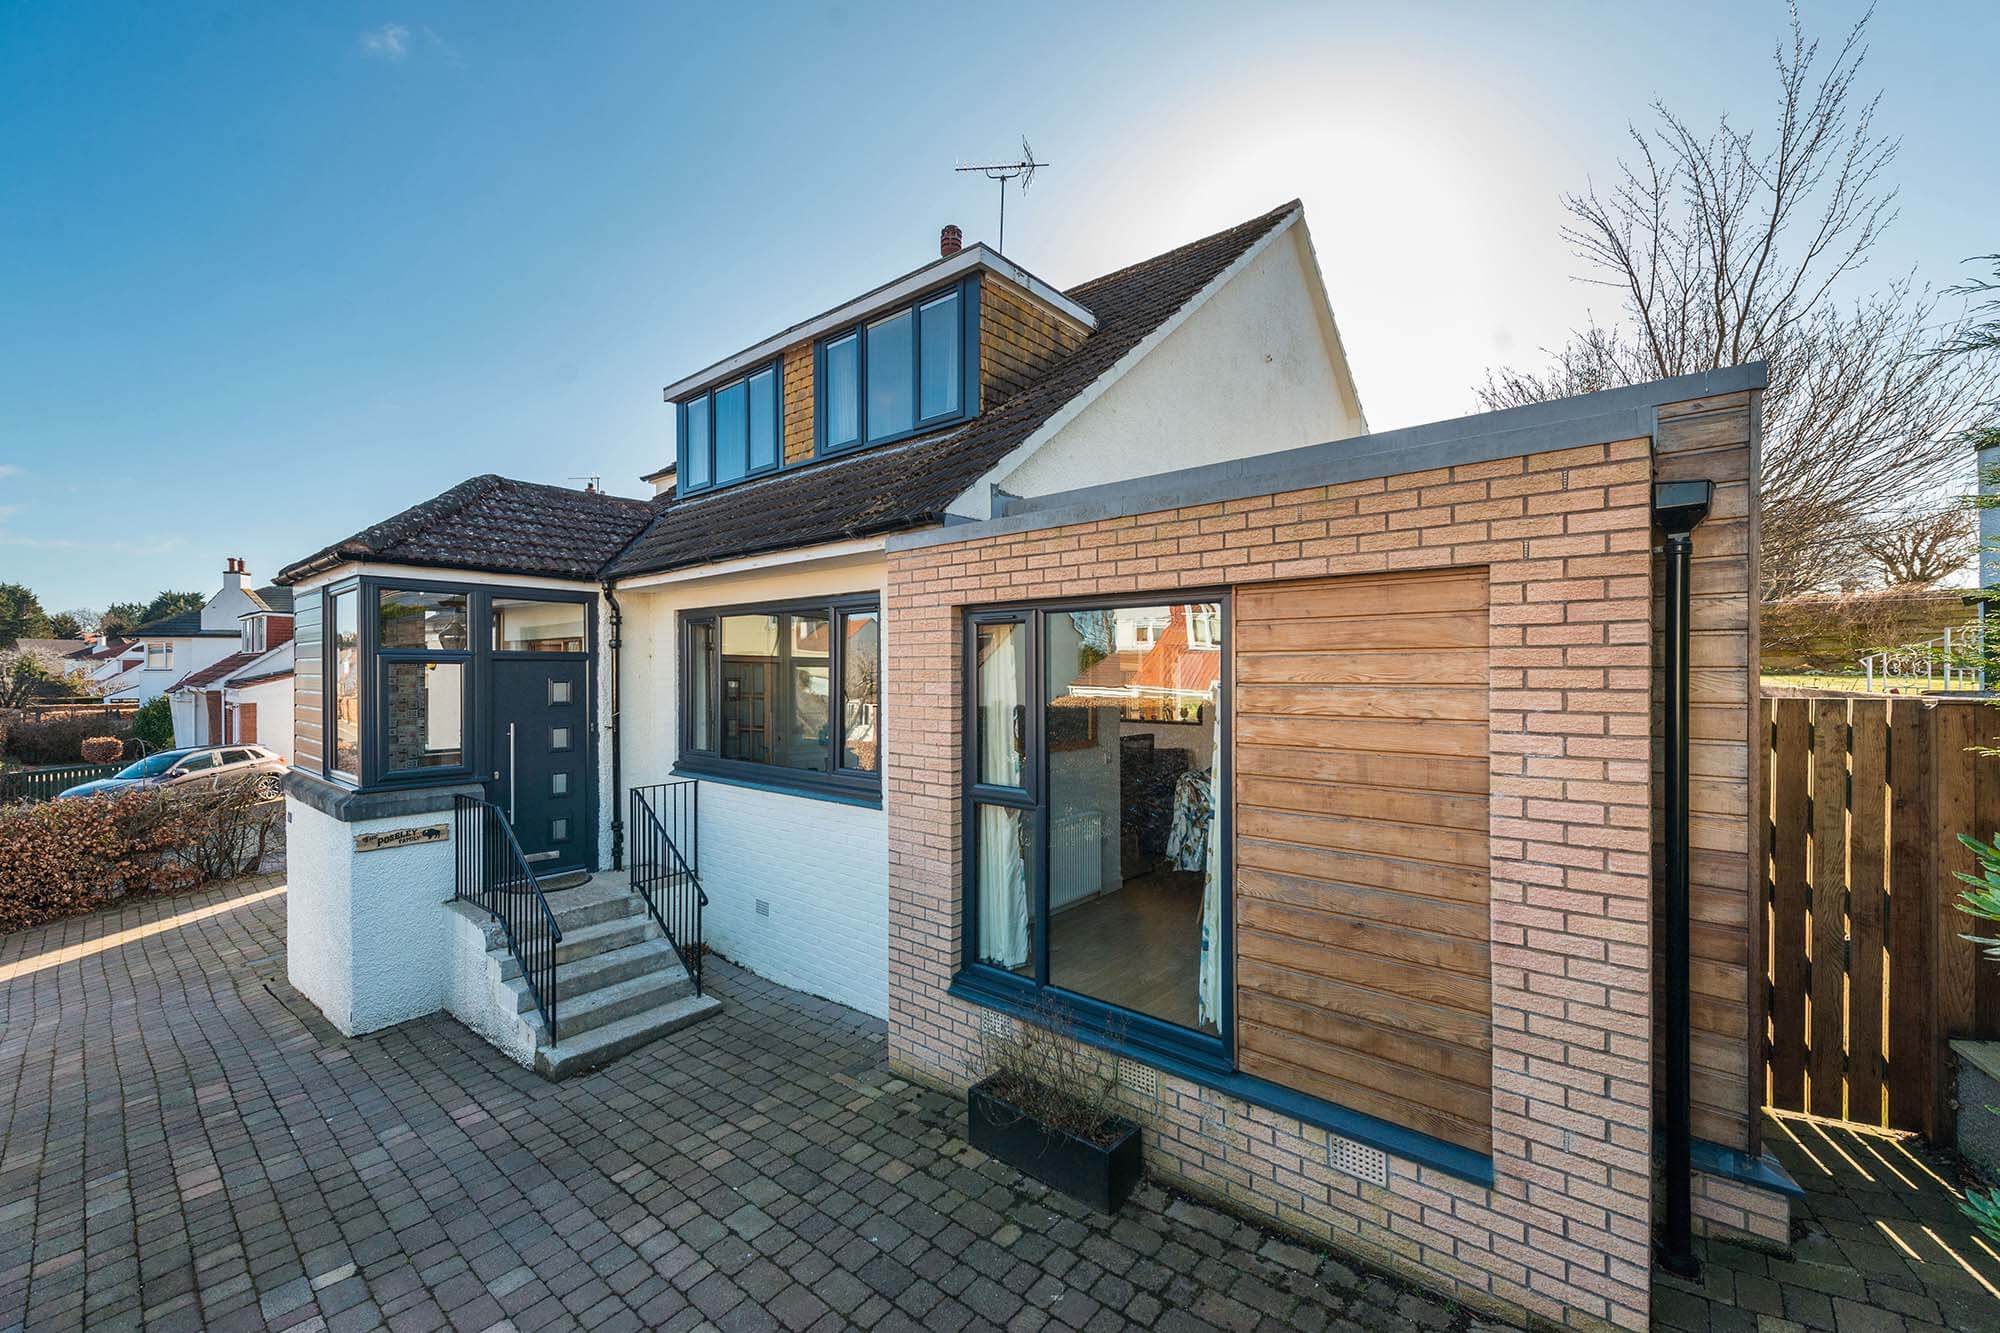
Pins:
<point x="665" y="880"/>
<point x="493" y="873"/>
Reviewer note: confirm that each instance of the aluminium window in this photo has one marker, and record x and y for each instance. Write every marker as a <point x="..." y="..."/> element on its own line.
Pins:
<point x="1095" y="862"/>
<point x="423" y="646"/>
<point x="730" y="432"/>
<point x="787" y="693"/>
<point x="900" y="373"/>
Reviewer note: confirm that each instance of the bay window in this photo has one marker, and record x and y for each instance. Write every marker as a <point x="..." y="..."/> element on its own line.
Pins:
<point x="1094" y="752"/>
<point x="900" y="373"/>
<point x="787" y="694"/>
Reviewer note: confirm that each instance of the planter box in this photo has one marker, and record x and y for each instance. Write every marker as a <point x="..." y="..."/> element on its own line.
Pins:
<point x="1101" y="1176"/>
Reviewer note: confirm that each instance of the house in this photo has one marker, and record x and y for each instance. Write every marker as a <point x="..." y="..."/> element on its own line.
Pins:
<point x="177" y="646"/>
<point x="245" y="697"/>
<point x="987" y="644"/>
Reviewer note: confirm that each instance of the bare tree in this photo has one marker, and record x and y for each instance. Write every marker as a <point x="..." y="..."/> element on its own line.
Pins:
<point x="1923" y="547"/>
<point x="1723" y="250"/>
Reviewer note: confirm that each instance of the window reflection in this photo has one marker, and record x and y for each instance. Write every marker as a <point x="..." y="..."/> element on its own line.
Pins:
<point x="347" y="683"/>
<point x="411" y="619"/>
<point x="424" y="714"/>
<point x="860" y="693"/>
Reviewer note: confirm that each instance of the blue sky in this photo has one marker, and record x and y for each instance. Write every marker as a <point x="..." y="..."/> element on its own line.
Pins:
<point x="273" y="272"/>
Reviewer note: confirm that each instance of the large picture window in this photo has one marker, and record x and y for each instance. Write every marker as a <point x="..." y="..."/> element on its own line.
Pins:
<point x="901" y="373"/>
<point x="788" y="693"/>
<point x="731" y="432"/>
<point x="1094" y="753"/>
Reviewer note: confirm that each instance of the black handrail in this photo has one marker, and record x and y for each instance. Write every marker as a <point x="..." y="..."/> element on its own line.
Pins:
<point x="662" y="875"/>
<point x="493" y="874"/>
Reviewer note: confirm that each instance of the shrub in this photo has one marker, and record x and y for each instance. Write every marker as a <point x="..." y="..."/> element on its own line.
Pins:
<point x="154" y="724"/>
<point x="102" y="749"/>
<point x="58" y="738"/>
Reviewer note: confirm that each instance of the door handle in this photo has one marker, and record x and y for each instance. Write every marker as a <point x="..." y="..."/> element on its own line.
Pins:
<point x="510" y="772"/>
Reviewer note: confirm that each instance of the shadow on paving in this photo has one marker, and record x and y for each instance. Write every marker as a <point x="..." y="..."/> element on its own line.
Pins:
<point x="188" y="1144"/>
<point x="1879" y="1245"/>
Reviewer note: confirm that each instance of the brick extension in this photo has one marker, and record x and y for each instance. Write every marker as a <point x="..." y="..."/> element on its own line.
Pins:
<point x="1564" y="1232"/>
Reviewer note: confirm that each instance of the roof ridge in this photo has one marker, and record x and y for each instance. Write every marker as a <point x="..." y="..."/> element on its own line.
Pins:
<point x="1269" y="219"/>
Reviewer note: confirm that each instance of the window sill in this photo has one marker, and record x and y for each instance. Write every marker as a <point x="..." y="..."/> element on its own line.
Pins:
<point x="970" y="986"/>
<point x="810" y="791"/>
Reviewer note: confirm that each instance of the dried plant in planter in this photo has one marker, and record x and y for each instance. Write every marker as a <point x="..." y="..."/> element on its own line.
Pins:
<point x="1039" y="1067"/>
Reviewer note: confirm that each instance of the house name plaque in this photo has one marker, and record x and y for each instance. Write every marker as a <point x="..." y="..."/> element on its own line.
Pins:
<point x="402" y="837"/>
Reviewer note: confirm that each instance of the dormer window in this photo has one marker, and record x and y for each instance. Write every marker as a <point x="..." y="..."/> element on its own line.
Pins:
<point x="730" y="432"/>
<point x="898" y="374"/>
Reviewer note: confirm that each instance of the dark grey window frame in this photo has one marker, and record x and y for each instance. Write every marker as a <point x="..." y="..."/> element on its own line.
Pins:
<point x="968" y="290"/>
<point x="777" y="368"/>
<point x="1142" y="1035"/>
<point x="857" y="786"/>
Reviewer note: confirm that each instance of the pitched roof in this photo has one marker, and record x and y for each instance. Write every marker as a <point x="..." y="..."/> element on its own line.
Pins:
<point x="497" y="525"/>
<point x="213" y="672"/>
<point x="909" y="485"/>
<point x="276" y="671"/>
<point x="271" y="597"/>
<point x="186" y="625"/>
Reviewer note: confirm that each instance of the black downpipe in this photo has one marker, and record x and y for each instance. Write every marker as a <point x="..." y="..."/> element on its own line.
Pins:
<point x="1678" y="508"/>
<point x="617" y="780"/>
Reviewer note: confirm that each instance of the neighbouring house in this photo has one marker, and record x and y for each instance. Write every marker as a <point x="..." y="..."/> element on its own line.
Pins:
<point x="986" y="644"/>
<point x="246" y="697"/>
<point x="174" y="647"/>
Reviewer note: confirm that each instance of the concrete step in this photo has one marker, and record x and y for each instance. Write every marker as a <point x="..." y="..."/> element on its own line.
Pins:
<point x="592" y="903"/>
<point x="578" y="1014"/>
<point x="580" y="943"/>
<point x="587" y="1048"/>
<point x="585" y="976"/>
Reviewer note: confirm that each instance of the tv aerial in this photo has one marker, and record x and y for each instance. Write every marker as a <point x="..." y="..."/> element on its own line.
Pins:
<point x="1003" y="172"/>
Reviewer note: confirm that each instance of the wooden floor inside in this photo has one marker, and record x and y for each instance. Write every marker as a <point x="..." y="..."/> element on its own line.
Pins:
<point x="1138" y="947"/>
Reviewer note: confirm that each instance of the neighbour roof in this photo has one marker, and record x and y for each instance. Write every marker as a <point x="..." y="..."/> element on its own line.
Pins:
<point x="909" y="485"/>
<point x="276" y="671"/>
<point x="213" y="672"/>
<point x="51" y="647"/>
<point x="496" y="525"/>
<point x="186" y="625"/>
<point x="272" y="598"/>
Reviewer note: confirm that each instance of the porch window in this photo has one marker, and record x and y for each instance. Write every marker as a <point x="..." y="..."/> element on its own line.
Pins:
<point x="423" y="640"/>
<point x="789" y="694"/>
<point x="1094" y="836"/>
<point x="903" y="372"/>
<point x="730" y="432"/>
<point x="345" y="617"/>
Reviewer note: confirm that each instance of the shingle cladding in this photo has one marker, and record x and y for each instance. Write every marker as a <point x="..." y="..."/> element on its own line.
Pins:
<point x="497" y="525"/>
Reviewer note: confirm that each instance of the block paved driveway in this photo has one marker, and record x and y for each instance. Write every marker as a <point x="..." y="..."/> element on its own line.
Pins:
<point x="185" y="1143"/>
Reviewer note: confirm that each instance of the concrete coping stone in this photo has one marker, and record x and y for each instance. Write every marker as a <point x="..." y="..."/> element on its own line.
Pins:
<point x="354" y="807"/>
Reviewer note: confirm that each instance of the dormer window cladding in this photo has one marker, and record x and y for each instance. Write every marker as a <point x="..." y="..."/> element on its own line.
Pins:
<point x="899" y="373"/>
<point x="730" y="432"/>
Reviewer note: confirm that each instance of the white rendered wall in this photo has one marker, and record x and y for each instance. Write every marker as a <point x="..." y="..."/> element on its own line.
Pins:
<point x="365" y="932"/>
<point x="274" y="712"/>
<point x="821" y="866"/>
<point x="1257" y="367"/>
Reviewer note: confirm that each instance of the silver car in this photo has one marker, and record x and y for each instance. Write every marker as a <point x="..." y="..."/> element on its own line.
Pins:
<point x="201" y="768"/>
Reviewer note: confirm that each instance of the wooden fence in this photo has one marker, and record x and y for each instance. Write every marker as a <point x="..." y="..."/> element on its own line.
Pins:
<point x="43" y="784"/>
<point x="1869" y="974"/>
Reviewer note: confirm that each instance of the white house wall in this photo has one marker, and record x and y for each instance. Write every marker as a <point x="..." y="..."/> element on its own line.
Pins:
<point x="273" y="699"/>
<point x="1256" y="367"/>
<point x="821" y="867"/>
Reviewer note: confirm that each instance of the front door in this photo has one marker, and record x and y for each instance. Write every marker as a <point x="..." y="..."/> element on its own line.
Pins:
<point x="541" y="758"/>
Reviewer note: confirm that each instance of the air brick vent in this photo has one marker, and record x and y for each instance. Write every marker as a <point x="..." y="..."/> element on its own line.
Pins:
<point x="763" y="907"/>
<point x="996" y="1026"/>
<point x="1357" y="1160"/>
<point x="1135" y="1077"/>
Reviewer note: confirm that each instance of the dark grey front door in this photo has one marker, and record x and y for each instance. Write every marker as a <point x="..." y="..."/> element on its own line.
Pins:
<point x="541" y="758"/>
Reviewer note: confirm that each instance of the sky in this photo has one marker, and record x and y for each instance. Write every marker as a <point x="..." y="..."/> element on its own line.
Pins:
<point x="271" y="273"/>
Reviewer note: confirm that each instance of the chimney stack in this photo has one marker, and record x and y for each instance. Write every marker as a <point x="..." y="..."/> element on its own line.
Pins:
<point x="951" y="240"/>
<point x="234" y="573"/>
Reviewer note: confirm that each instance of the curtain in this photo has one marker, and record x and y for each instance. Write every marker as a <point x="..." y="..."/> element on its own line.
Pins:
<point x="1003" y="877"/>
<point x="1208" y="1003"/>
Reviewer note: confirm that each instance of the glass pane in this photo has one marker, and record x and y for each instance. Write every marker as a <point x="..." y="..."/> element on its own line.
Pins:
<point x="763" y="420"/>
<point x="892" y="402"/>
<point x="347" y="683"/>
<point x="807" y="707"/>
<point x="694" y="449"/>
<point x="701" y="685"/>
<point x="1134" y="840"/>
<point x="732" y="442"/>
<point x="524" y="626"/>
<point x="749" y="678"/>
<point x="1002" y="702"/>
<point x="840" y="396"/>
<point x="423" y="620"/>
<point x="861" y="692"/>
<point x="941" y="333"/>
<point x="1001" y="875"/>
<point x="423" y="714"/>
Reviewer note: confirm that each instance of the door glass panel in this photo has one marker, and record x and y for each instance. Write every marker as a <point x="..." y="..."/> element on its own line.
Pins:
<point x="892" y="399"/>
<point x="840" y="396"/>
<point x="941" y="332"/>
<point x="749" y="678"/>
<point x="558" y="784"/>
<point x="701" y="685"/>
<point x="347" y="683"/>
<point x="411" y="619"/>
<point x="763" y="420"/>
<point x="523" y="625"/>
<point x="423" y="714"/>
<point x="861" y="691"/>
<point x="1133" y="860"/>
<point x="558" y="830"/>
<point x="807" y="707"/>
<point x="732" y="441"/>
<point x="558" y="738"/>
<point x="1006" y="927"/>
<point x="694" y="449"/>
<point x="1002" y="703"/>
<point x="559" y="692"/>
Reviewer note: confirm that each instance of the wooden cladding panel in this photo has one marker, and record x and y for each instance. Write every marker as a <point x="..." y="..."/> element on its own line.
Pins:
<point x="1018" y="340"/>
<point x="1362" y="769"/>
<point x="795" y="383"/>
<point x="307" y="669"/>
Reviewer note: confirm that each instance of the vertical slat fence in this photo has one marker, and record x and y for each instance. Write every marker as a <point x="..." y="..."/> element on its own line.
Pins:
<point x="1868" y="973"/>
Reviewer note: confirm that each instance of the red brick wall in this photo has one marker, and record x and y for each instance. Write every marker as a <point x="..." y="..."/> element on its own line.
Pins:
<point x="1564" y="1231"/>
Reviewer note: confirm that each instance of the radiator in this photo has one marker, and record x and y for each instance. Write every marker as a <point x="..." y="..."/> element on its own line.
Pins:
<point x="1076" y="858"/>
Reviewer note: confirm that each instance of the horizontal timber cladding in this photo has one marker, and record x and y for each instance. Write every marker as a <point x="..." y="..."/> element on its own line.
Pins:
<point x="1363" y="966"/>
<point x="308" y="667"/>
